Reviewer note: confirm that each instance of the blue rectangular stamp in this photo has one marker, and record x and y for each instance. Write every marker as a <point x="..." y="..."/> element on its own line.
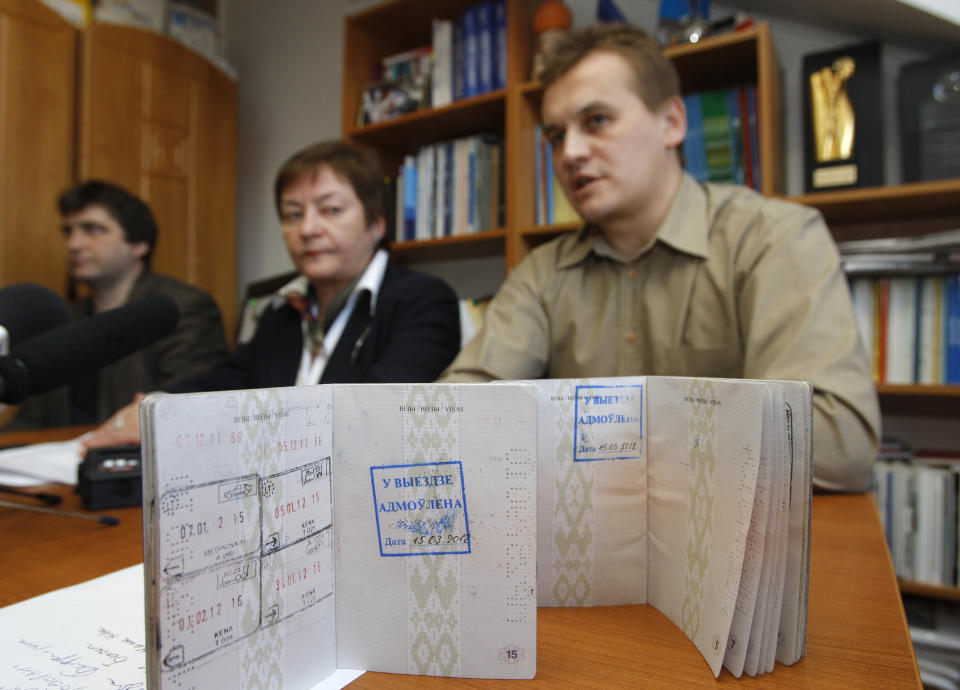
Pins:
<point x="608" y="423"/>
<point x="421" y="509"/>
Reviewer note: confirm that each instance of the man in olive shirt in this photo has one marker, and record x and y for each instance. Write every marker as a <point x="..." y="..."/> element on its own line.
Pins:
<point x="669" y="276"/>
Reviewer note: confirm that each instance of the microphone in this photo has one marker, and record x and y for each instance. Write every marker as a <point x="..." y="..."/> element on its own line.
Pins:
<point x="26" y="310"/>
<point x="66" y="354"/>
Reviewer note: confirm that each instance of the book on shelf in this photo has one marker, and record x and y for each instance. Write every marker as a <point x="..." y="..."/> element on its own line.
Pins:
<point x="692" y="495"/>
<point x="290" y="532"/>
<point x="408" y="200"/>
<point x="722" y="141"/>
<point x="916" y="496"/>
<point x="901" y="332"/>
<point x="409" y="63"/>
<point x="753" y="123"/>
<point x="717" y="136"/>
<point x="694" y="154"/>
<point x="910" y="326"/>
<point x="470" y="53"/>
<point x="499" y="44"/>
<point x="485" y="30"/>
<point x="459" y="71"/>
<point x="551" y="205"/>
<point x="749" y="178"/>
<point x="946" y="241"/>
<point x="737" y="144"/>
<point x="425" y="192"/>
<point x="452" y="187"/>
<point x="441" y="80"/>
<point x="902" y="263"/>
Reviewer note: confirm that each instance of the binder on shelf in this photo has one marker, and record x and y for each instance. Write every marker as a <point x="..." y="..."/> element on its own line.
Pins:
<point x="485" y="58"/>
<point x="499" y="44"/>
<point x="905" y="325"/>
<point x="471" y="53"/>
<point x="442" y="80"/>
<point x="749" y="178"/>
<point x="540" y="213"/>
<point x="917" y="498"/>
<point x="452" y="187"/>
<point x="736" y="136"/>
<point x="459" y="60"/>
<point x="409" y="198"/>
<point x="693" y="146"/>
<point x="754" y="126"/>
<point x="716" y="136"/>
<point x="952" y="336"/>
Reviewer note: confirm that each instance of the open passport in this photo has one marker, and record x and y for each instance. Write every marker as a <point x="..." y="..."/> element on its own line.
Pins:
<point x="414" y="528"/>
<point x="289" y="532"/>
<point x="692" y="495"/>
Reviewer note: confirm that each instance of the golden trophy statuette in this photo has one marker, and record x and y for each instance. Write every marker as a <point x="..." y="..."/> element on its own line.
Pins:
<point x="833" y="117"/>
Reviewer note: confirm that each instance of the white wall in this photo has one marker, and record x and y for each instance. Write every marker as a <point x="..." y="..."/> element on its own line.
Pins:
<point x="288" y="57"/>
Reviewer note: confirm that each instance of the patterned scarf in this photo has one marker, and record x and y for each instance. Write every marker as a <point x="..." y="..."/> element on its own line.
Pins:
<point x="318" y="324"/>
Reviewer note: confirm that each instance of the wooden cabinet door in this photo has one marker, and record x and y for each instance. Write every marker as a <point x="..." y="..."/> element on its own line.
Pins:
<point x="160" y="120"/>
<point x="37" y="99"/>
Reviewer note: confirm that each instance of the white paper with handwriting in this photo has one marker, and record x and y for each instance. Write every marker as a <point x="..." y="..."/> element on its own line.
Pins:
<point x="96" y="643"/>
<point x="86" y="636"/>
<point x="292" y="531"/>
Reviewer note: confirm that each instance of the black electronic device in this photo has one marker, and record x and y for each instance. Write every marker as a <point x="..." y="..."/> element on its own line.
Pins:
<point x="111" y="478"/>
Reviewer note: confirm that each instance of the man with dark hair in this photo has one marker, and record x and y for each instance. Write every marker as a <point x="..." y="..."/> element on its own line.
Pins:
<point x="668" y="276"/>
<point x="351" y="315"/>
<point x="131" y="213"/>
<point x="110" y="236"/>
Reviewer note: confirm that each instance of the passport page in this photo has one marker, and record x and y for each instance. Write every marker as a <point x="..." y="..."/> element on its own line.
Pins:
<point x="592" y="512"/>
<point x="704" y="451"/>
<point x="798" y="405"/>
<point x="238" y="547"/>
<point x="435" y="501"/>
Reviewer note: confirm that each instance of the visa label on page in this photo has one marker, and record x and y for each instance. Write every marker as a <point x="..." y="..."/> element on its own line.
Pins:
<point x="608" y="423"/>
<point x="421" y="509"/>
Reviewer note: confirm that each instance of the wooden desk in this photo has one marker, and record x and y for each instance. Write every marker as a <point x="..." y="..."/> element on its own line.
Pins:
<point x="857" y="633"/>
<point x="23" y="438"/>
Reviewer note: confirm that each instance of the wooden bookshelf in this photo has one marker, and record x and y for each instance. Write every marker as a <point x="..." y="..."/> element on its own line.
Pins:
<point x="717" y="62"/>
<point x="481" y="244"/>
<point x="913" y="390"/>
<point x="911" y="209"/>
<point x="416" y="129"/>
<point x="915" y="208"/>
<point x="921" y="589"/>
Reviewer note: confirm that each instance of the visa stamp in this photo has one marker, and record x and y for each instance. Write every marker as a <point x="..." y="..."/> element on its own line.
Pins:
<point x="421" y="509"/>
<point x="209" y="524"/>
<point x="206" y="611"/>
<point x="608" y="423"/>
<point x="296" y="504"/>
